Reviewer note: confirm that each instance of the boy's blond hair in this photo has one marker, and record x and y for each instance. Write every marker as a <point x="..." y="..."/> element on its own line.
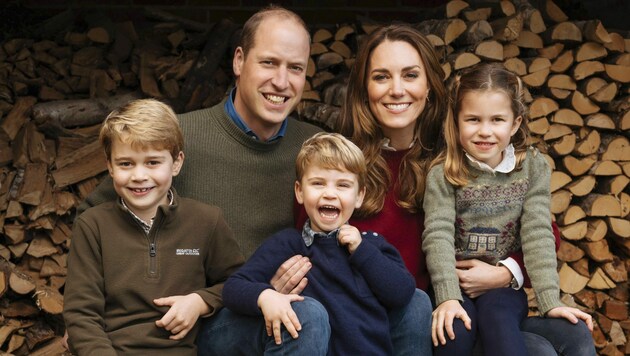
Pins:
<point x="331" y="151"/>
<point x="143" y="123"/>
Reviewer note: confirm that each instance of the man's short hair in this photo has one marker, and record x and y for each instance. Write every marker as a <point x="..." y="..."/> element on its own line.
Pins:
<point x="250" y="27"/>
<point x="331" y="151"/>
<point x="143" y="123"/>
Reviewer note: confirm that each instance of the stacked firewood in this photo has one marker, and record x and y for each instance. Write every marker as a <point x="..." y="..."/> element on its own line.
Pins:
<point x="58" y="84"/>
<point x="56" y="87"/>
<point x="578" y="78"/>
<point x="577" y="75"/>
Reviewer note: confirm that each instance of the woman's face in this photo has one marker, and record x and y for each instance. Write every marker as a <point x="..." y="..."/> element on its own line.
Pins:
<point x="397" y="90"/>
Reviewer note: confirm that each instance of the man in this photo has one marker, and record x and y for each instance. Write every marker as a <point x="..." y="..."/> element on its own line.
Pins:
<point x="241" y="152"/>
<point x="241" y="157"/>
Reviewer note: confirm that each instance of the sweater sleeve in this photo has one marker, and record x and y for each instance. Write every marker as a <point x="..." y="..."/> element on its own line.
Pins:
<point x="84" y="297"/>
<point x="537" y="237"/>
<point x="241" y="290"/>
<point x="384" y="270"/>
<point x="224" y="257"/>
<point x="438" y="238"/>
<point x="518" y="255"/>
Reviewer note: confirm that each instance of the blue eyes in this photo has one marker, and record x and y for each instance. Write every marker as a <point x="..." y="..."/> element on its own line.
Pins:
<point x="293" y="68"/>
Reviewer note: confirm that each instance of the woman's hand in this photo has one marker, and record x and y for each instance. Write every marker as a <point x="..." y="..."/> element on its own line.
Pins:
<point x="477" y="277"/>
<point x="572" y="315"/>
<point x="443" y="317"/>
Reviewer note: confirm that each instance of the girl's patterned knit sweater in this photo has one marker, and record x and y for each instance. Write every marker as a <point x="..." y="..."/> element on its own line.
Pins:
<point x="491" y="217"/>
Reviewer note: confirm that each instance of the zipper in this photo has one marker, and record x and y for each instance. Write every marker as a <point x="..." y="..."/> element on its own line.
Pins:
<point x="153" y="262"/>
<point x="152" y="237"/>
<point x="152" y="259"/>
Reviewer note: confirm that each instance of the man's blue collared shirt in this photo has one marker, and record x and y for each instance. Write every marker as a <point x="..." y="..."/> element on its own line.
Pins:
<point x="231" y="111"/>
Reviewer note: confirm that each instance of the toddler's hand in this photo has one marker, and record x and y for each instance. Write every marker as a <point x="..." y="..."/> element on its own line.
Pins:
<point x="350" y="237"/>
<point x="276" y="308"/>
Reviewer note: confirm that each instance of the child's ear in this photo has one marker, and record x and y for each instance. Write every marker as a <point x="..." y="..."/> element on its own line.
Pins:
<point x="178" y="163"/>
<point x="298" y="192"/>
<point x="516" y="125"/>
<point x="360" y="197"/>
<point x="110" y="168"/>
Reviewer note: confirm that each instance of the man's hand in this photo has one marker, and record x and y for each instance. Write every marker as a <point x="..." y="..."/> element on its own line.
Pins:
<point x="276" y="309"/>
<point x="290" y="277"/>
<point x="182" y="315"/>
<point x="477" y="277"/>
<point x="443" y="317"/>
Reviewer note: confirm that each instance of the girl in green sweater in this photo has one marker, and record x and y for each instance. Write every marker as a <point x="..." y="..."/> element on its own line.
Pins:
<point x="488" y="196"/>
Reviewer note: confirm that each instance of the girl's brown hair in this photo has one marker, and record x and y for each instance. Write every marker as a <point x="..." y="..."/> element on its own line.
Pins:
<point x="358" y="122"/>
<point x="483" y="77"/>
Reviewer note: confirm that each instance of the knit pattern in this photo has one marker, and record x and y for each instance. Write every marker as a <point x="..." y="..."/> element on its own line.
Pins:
<point x="496" y="236"/>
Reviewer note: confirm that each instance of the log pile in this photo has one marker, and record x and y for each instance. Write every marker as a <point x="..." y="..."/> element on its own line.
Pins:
<point x="577" y="75"/>
<point x="57" y="85"/>
<point x="55" y="90"/>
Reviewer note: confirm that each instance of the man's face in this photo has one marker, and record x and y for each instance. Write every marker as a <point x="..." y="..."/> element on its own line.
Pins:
<point x="271" y="77"/>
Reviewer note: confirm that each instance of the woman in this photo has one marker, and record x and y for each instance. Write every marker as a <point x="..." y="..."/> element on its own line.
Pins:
<point x="394" y="109"/>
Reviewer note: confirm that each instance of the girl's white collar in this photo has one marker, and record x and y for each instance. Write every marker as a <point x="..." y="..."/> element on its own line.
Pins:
<point x="507" y="164"/>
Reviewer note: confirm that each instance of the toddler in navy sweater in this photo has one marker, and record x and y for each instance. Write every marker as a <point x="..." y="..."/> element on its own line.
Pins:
<point x="356" y="276"/>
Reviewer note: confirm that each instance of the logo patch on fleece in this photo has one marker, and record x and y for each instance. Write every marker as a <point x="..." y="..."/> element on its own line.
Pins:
<point x="187" y="252"/>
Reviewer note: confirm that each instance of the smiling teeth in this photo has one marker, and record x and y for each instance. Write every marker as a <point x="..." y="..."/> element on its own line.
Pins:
<point x="276" y="99"/>
<point x="329" y="211"/>
<point x="396" y="106"/>
<point x="140" y="190"/>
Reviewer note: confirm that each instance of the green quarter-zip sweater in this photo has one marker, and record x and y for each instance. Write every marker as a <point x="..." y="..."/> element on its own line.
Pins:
<point x="116" y="270"/>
